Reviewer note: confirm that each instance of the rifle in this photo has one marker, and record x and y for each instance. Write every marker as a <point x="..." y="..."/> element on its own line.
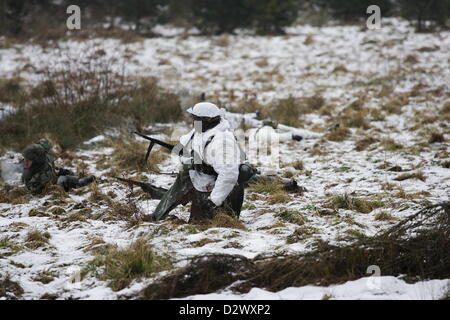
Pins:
<point x="154" y="192"/>
<point x="154" y="141"/>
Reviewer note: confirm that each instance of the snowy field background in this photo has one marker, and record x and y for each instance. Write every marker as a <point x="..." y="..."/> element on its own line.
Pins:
<point x="341" y="63"/>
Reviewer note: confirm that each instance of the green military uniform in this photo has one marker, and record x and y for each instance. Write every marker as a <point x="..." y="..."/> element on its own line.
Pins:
<point x="42" y="171"/>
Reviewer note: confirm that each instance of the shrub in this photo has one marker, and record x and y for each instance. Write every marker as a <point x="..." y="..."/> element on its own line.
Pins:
<point x="82" y="98"/>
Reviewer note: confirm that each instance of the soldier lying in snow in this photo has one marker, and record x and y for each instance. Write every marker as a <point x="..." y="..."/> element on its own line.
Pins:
<point x="40" y="171"/>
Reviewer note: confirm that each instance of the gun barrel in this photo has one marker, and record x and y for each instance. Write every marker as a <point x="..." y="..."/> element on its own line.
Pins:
<point x="158" y="142"/>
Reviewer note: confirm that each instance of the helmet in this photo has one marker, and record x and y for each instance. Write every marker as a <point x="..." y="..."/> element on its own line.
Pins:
<point x="35" y="153"/>
<point x="205" y="110"/>
<point x="45" y="144"/>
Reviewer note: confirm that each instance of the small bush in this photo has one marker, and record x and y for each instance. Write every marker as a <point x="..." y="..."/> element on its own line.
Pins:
<point x="81" y="99"/>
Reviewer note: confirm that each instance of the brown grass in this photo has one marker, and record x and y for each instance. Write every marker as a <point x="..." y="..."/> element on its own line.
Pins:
<point x="222" y="220"/>
<point x="364" y="143"/>
<point x="338" y="135"/>
<point x="355" y="204"/>
<point x="446" y="108"/>
<point x="121" y="266"/>
<point x="384" y="216"/>
<point x="129" y="154"/>
<point x="36" y="239"/>
<point x="391" y="145"/>
<point x="419" y="175"/>
<point x="292" y="216"/>
<point x="14" y="196"/>
<point x="436" y="137"/>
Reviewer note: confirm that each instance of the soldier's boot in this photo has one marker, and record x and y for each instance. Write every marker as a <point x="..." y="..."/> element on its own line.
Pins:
<point x="85" y="181"/>
<point x="181" y="192"/>
<point x="64" y="172"/>
<point x="73" y="182"/>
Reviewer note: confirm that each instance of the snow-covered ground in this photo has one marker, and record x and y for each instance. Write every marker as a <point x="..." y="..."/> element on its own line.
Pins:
<point x="340" y="63"/>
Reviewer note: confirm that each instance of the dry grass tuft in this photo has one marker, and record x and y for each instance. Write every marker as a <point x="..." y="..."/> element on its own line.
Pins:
<point x="279" y="197"/>
<point x="223" y="41"/>
<point x="14" y="196"/>
<point x="298" y="165"/>
<point x="292" y="216"/>
<point x="340" y="134"/>
<point x="384" y="216"/>
<point x="446" y="108"/>
<point x="273" y="188"/>
<point x="395" y="105"/>
<point x="222" y="220"/>
<point x="36" y="239"/>
<point x="309" y="40"/>
<point x="354" y="119"/>
<point x="129" y="154"/>
<point x="121" y="266"/>
<point x="391" y="145"/>
<point x="355" y="204"/>
<point x="436" y="137"/>
<point x="412" y="59"/>
<point x="419" y="175"/>
<point x="364" y="143"/>
<point x="301" y="234"/>
<point x="340" y="68"/>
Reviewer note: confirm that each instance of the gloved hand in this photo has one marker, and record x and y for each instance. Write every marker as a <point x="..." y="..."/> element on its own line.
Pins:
<point x="210" y="206"/>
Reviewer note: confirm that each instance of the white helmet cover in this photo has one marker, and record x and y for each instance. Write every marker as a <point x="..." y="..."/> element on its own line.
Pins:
<point x="205" y="110"/>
